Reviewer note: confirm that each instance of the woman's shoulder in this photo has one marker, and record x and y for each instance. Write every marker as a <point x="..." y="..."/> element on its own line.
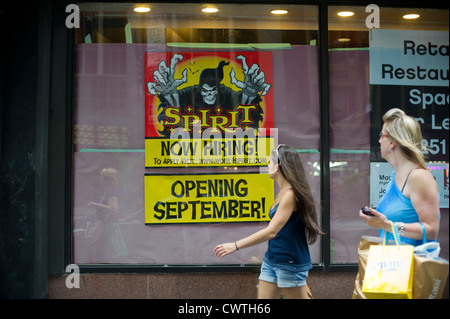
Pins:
<point x="288" y="197"/>
<point x="422" y="178"/>
<point x="420" y="174"/>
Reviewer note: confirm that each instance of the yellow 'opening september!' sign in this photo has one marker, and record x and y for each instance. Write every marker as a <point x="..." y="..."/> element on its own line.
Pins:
<point x="212" y="198"/>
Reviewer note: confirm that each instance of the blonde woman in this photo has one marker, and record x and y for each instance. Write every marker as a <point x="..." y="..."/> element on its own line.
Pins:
<point x="292" y="227"/>
<point x="107" y="210"/>
<point x="411" y="199"/>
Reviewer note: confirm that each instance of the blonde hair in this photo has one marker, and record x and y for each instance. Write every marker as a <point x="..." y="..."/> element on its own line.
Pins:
<point x="111" y="175"/>
<point x="405" y="130"/>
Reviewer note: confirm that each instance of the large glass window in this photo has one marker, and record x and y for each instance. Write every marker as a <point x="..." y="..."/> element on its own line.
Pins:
<point x="124" y="111"/>
<point x="356" y="112"/>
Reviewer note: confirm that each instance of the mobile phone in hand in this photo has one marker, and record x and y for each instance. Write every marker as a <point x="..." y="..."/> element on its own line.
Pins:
<point x="366" y="211"/>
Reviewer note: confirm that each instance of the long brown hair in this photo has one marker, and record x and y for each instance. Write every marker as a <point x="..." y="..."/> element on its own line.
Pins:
<point x="292" y="170"/>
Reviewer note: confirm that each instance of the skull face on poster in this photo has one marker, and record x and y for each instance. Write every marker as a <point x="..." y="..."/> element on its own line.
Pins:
<point x="209" y="94"/>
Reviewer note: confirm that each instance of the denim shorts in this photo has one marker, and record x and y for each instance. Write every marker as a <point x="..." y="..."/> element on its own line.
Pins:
<point x="283" y="278"/>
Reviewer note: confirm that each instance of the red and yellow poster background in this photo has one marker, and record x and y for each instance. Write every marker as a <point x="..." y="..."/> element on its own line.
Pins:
<point x="194" y="63"/>
<point x="179" y="89"/>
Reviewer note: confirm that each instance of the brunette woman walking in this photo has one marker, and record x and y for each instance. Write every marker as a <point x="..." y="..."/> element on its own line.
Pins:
<point x="292" y="227"/>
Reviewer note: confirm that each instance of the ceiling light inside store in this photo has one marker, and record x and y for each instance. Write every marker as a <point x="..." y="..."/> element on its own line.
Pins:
<point x="345" y="13"/>
<point x="142" y="9"/>
<point x="279" y="11"/>
<point x="344" y="39"/>
<point x="210" y="10"/>
<point x="411" y="16"/>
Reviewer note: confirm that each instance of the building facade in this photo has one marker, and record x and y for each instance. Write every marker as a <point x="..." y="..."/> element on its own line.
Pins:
<point x="145" y="103"/>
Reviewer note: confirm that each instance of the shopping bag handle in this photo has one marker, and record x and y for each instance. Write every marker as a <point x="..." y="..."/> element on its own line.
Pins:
<point x="424" y="234"/>
<point x="394" y="232"/>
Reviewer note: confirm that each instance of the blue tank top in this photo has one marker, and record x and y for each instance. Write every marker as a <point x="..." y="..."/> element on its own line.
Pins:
<point x="289" y="249"/>
<point x="398" y="208"/>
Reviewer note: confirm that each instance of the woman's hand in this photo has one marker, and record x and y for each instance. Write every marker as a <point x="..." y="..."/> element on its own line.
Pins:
<point x="224" y="249"/>
<point x="377" y="221"/>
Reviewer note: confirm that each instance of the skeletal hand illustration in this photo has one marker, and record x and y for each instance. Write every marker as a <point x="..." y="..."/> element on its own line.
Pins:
<point x="254" y="81"/>
<point x="166" y="84"/>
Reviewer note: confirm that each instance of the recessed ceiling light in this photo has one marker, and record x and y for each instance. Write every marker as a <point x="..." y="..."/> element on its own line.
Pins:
<point x="142" y="9"/>
<point x="345" y="13"/>
<point x="210" y="10"/>
<point x="279" y="11"/>
<point x="411" y="16"/>
<point x="344" y="39"/>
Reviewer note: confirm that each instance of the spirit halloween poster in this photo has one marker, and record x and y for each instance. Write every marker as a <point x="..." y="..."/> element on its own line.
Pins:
<point x="208" y="108"/>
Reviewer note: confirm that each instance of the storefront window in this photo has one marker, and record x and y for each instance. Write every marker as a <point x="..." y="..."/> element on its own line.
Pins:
<point x="357" y="104"/>
<point x="139" y="80"/>
<point x="140" y="77"/>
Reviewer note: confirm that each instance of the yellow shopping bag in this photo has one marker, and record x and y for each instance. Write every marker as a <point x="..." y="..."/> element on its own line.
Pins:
<point x="389" y="271"/>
